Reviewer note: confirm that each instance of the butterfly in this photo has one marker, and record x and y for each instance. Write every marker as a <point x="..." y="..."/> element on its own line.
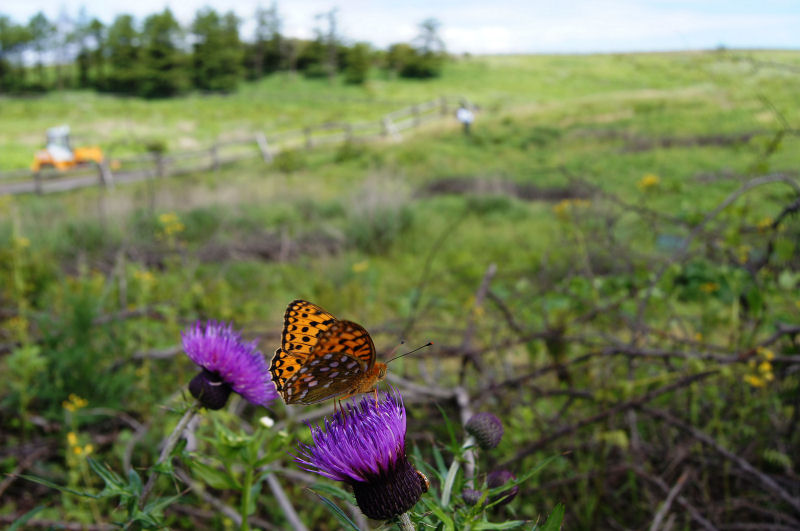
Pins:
<point x="321" y="357"/>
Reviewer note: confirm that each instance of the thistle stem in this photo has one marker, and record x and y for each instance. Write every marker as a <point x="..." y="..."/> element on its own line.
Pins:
<point x="447" y="489"/>
<point x="247" y="488"/>
<point x="166" y="451"/>
<point x="405" y="522"/>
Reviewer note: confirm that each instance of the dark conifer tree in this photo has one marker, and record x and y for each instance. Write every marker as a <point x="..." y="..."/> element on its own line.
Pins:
<point x="217" y="52"/>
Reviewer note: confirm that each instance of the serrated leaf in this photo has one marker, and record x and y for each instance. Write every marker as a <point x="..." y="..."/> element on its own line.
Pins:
<point x="337" y="512"/>
<point x="439" y="512"/>
<point x="214" y="477"/>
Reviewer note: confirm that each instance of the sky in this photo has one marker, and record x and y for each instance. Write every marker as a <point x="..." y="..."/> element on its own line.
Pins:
<point x="495" y="26"/>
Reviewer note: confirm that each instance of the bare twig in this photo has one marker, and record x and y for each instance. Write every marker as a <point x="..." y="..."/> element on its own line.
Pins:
<point x="766" y="481"/>
<point x="624" y="406"/>
<point x="219" y="505"/>
<point x="166" y="451"/>
<point x="665" y="507"/>
<point x="285" y="504"/>
<point x="24" y="464"/>
<point x="691" y="509"/>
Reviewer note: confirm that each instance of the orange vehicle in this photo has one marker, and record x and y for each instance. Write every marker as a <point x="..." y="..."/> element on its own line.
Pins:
<point x="60" y="155"/>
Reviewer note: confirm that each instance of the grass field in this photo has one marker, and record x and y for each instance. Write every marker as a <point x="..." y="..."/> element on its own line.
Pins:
<point x="590" y="182"/>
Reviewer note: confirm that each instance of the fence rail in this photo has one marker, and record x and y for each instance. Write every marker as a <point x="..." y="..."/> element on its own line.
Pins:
<point x="259" y="144"/>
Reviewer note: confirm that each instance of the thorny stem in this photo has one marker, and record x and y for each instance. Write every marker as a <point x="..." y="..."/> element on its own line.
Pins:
<point x="405" y="522"/>
<point x="447" y="489"/>
<point x="166" y="451"/>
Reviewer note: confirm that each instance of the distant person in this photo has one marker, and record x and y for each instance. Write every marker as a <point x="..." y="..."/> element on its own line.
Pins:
<point x="465" y="116"/>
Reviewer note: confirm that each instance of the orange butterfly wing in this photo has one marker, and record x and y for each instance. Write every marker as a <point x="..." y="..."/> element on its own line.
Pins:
<point x="302" y="323"/>
<point x="338" y="363"/>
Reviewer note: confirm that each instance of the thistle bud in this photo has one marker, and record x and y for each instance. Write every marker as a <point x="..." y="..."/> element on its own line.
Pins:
<point x="486" y="428"/>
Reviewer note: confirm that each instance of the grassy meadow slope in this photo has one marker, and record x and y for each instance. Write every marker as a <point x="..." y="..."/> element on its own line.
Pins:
<point x="590" y="182"/>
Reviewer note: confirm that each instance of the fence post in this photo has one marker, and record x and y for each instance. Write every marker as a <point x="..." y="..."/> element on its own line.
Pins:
<point x="261" y="140"/>
<point x="106" y="177"/>
<point x="37" y="182"/>
<point x="309" y="142"/>
<point x="388" y="128"/>
<point x="214" y="157"/>
<point x="158" y="159"/>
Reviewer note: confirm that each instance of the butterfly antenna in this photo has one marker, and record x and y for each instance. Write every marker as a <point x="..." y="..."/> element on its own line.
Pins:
<point x="394" y="349"/>
<point x="428" y="344"/>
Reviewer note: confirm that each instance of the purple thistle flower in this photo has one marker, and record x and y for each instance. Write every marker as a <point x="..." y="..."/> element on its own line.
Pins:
<point x="228" y="363"/>
<point x="366" y="448"/>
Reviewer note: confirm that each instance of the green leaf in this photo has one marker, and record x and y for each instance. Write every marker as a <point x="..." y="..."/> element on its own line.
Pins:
<point x="511" y="524"/>
<point x="449" y="426"/>
<point x="134" y="482"/>
<point x="52" y="485"/>
<point x="255" y="490"/>
<point x="112" y="480"/>
<point x="334" y="491"/>
<point x="438" y="511"/>
<point x="437" y="457"/>
<point x="337" y="512"/>
<point x="555" y="519"/>
<point x="159" y="503"/>
<point x="22" y="520"/>
<point x="214" y="477"/>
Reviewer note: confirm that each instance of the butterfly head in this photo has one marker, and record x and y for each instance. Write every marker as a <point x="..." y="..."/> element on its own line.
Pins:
<point x="381" y="368"/>
<point x="371" y="378"/>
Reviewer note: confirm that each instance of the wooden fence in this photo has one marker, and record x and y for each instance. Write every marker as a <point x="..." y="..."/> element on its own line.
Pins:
<point x="259" y="144"/>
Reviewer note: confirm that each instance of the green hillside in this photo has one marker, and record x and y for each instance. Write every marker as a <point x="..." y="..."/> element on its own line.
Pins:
<point x="609" y="263"/>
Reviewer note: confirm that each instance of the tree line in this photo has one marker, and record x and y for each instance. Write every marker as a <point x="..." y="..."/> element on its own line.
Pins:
<point x="158" y="57"/>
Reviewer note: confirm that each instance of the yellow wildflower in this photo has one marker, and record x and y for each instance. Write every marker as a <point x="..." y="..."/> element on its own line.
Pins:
<point x="144" y="276"/>
<point x="88" y="449"/>
<point x="649" y="181"/>
<point x="755" y="381"/>
<point x="5" y="203"/>
<point x="561" y="209"/>
<point x="72" y="439"/>
<point x="744" y="253"/>
<point x="170" y="224"/>
<point x="764" y="367"/>
<point x="74" y="403"/>
<point x="360" y="267"/>
<point x="764" y="223"/>
<point x="765" y="353"/>
<point x="77" y="450"/>
<point x="709" y="287"/>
